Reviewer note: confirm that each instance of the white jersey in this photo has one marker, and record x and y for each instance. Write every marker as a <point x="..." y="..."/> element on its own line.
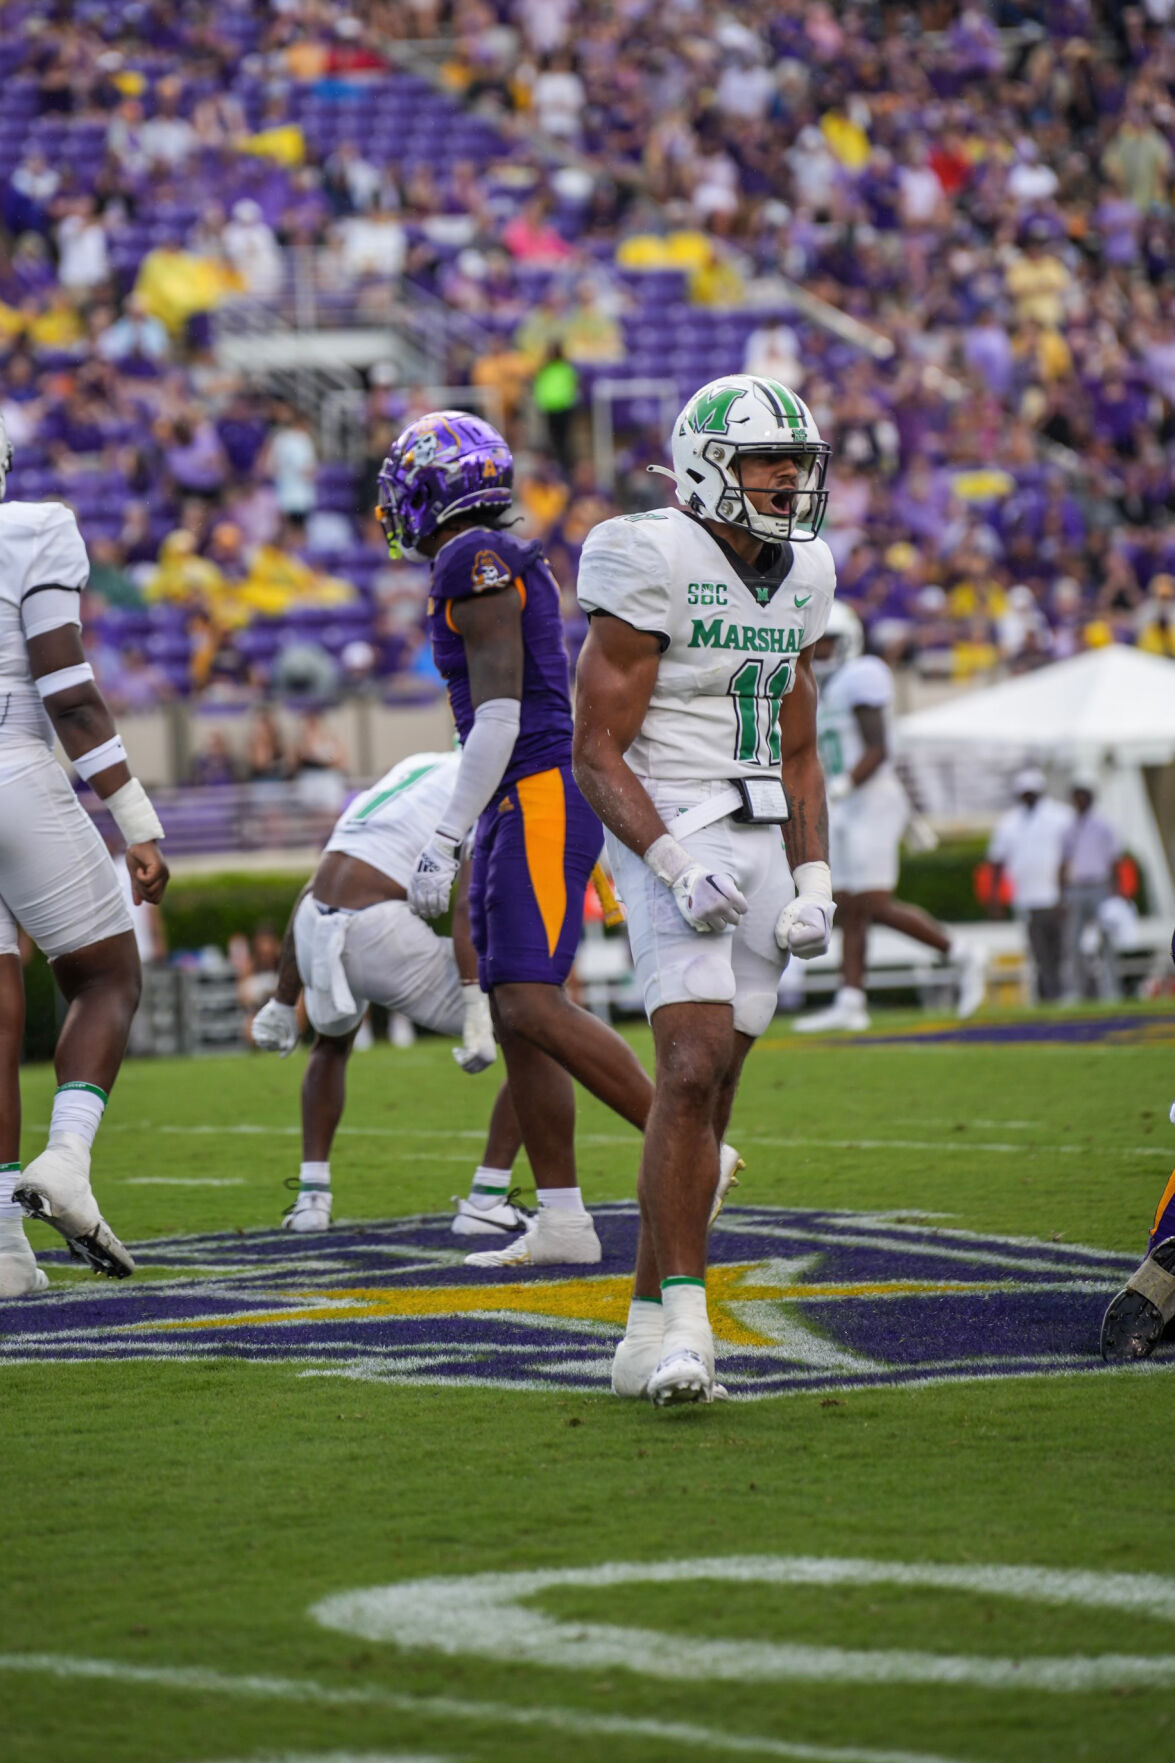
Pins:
<point x="389" y="825"/>
<point x="40" y="548"/>
<point x="863" y="683"/>
<point x="730" y="645"/>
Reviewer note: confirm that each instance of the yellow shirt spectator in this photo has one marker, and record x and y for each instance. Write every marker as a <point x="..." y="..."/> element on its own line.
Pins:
<point x="847" y="140"/>
<point x="174" y="284"/>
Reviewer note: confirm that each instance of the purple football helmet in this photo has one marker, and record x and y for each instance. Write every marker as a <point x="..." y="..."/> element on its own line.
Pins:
<point x="443" y="464"/>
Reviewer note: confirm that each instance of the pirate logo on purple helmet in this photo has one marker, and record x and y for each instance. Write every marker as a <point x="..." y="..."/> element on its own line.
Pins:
<point x="443" y="464"/>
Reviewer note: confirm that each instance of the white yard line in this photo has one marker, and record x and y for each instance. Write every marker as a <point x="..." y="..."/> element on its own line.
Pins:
<point x="181" y="1181"/>
<point x="571" y="1721"/>
<point x="952" y="1142"/>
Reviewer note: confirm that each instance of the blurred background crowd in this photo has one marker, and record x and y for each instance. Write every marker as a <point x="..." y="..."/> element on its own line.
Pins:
<point x="243" y="244"/>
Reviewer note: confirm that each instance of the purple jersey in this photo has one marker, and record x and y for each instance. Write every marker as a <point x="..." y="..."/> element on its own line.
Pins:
<point x="482" y="561"/>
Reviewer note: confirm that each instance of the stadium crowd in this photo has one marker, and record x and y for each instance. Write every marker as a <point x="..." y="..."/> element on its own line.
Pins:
<point x="578" y="191"/>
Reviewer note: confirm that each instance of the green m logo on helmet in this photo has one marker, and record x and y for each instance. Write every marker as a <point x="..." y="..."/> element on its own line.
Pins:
<point x="709" y="414"/>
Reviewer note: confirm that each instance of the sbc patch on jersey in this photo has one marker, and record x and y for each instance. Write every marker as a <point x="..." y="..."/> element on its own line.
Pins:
<point x="489" y="571"/>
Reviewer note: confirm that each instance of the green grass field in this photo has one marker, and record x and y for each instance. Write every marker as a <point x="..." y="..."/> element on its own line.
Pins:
<point x="172" y="1518"/>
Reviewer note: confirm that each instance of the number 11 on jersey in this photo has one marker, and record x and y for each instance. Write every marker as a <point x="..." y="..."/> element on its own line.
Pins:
<point x="756" y="704"/>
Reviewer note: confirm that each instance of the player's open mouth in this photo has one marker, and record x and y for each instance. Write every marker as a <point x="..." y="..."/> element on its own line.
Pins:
<point x="782" y="501"/>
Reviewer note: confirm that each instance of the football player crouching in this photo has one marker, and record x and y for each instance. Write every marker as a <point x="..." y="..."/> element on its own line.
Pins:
<point x="351" y="941"/>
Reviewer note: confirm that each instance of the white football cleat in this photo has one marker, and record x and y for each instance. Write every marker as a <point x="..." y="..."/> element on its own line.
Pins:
<point x="633" y="1364"/>
<point x="550" y="1237"/>
<point x="310" y="1211"/>
<point x="56" y="1189"/>
<point x="682" y="1376"/>
<point x="685" y="1371"/>
<point x="20" y="1276"/>
<point x="489" y="1221"/>
<point x="972" y="981"/>
<point x="847" y="1015"/>
<point x="729" y="1164"/>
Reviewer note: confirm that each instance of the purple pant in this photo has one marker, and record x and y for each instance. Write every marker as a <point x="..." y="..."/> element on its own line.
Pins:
<point x="536" y="847"/>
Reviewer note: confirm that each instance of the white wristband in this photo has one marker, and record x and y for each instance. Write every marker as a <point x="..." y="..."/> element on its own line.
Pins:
<point x="101" y="758"/>
<point x="134" y="816"/>
<point x="63" y="679"/>
<point x="813" y="879"/>
<point x="667" y="859"/>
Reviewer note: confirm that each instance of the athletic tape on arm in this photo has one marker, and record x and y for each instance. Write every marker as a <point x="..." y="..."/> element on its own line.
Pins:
<point x="484" y="759"/>
<point x="64" y="678"/>
<point x="100" y="758"/>
<point x="134" y="815"/>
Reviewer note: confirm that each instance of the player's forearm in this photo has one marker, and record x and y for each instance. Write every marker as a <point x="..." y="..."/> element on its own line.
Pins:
<point x="871" y="760"/>
<point x="805" y="832"/>
<point x="484" y="759"/>
<point x="613" y="789"/>
<point x="464" y="952"/>
<point x="84" y="725"/>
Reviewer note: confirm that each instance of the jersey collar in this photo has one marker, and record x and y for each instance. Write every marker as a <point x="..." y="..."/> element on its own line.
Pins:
<point x="761" y="579"/>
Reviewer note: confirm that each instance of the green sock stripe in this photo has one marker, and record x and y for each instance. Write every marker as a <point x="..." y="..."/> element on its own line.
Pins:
<point x="314" y="1187"/>
<point x="93" y="1089"/>
<point x="682" y="1279"/>
<point x="481" y="1187"/>
<point x="656" y="1301"/>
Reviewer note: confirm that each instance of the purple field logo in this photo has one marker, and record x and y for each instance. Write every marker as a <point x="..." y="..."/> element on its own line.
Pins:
<point x="800" y="1301"/>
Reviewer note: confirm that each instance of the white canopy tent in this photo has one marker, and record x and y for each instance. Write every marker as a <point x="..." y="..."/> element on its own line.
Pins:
<point x="1108" y="714"/>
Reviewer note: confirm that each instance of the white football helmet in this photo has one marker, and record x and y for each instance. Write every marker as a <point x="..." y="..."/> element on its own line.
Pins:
<point x="5" y="457"/>
<point x="847" y="635"/>
<point x="740" y="414"/>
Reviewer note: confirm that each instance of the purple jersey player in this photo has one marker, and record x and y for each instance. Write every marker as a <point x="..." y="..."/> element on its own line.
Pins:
<point x="497" y="636"/>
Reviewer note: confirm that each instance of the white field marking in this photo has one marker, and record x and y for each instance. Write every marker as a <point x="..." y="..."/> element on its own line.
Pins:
<point x="949" y="1142"/>
<point x="938" y="1251"/>
<point x="972" y="1120"/>
<point x="181" y="1181"/>
<point x="340" y="1757"/>
<point x="483" y="1615"/>
<point x="576" y="1723"/>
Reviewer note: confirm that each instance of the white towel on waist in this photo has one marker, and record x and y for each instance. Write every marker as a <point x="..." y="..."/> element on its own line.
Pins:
<point x="327" y="981"/>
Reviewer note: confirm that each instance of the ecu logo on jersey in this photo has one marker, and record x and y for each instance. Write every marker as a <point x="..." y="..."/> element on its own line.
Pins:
<point x="488" y="572"/>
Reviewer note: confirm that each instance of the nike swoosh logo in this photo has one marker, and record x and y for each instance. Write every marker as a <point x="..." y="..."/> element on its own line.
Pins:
<point x="804" y="601"/>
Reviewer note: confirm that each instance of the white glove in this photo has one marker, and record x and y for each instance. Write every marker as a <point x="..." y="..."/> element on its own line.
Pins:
<point x="478" y="1048"/>
<point x="804" y="927"/>
<point x="1171" y="1115"/>
<point x="838" y="787"/>
<point x="275" y="1028"/>
<point x="430" y="886"/>
<point x="707" y="899"/>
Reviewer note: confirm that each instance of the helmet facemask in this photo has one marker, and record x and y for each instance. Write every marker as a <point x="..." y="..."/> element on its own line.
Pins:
<point x="799" y="517"/>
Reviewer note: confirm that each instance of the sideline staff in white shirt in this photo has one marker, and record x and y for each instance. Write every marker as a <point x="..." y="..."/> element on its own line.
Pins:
<point x="1028" y="844"/>
<point x="1091" y="851"/>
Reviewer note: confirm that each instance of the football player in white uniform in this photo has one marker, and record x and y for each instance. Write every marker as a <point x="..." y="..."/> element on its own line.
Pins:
<point x="695" y="742"/>
<point x="352" y="940"/>
<point x="868" y="812"/>
<point x="58" y="882"/>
